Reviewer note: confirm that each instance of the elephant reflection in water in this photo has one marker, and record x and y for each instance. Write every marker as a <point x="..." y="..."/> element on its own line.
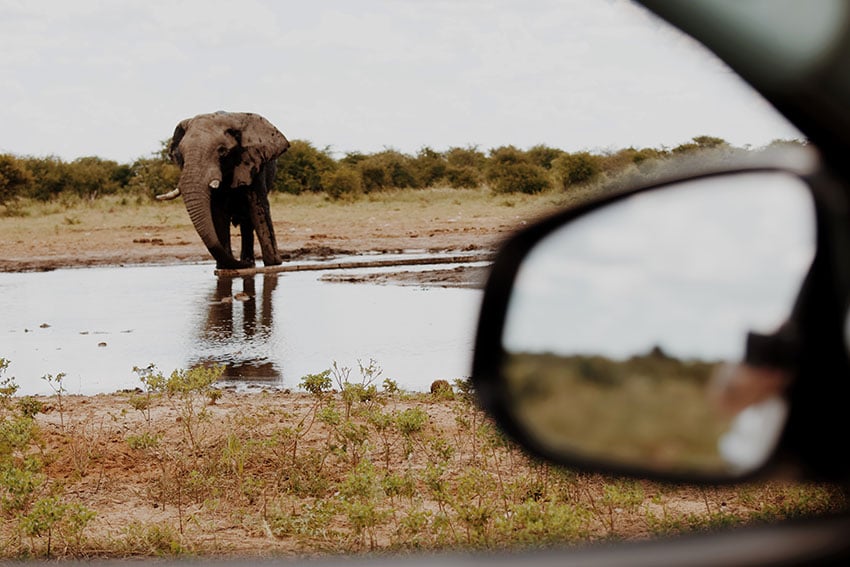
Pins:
<point x="237" y="329"/>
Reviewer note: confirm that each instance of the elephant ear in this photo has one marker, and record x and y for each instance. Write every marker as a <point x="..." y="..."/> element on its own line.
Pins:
<point x="261" y="143"/>
<point x="174" y="148"/>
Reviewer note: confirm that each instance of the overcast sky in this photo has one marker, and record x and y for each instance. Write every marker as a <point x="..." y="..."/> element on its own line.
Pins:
<point x="112" y="79"/>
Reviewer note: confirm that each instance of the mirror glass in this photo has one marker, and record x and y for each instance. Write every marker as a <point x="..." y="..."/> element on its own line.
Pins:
<point x="624" y="325"/>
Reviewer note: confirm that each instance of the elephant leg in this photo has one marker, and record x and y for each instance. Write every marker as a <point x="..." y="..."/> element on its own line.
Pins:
<point x="219" y="206"/>
<point x="222" y="213"/>
<point x="246" y="227"/>
<point x="261" y="218"/>
<point x="247" y="254"/>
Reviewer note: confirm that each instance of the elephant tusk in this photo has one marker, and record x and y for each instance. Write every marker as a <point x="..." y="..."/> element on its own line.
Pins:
<point x="170" y="195"/>
<point x="214" y="184"/>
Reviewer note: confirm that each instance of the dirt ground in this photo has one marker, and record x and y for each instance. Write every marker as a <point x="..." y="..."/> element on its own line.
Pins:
<point x="117" y="236"/>
<point x="282" y="473"/>
<point x="271" y="473"/>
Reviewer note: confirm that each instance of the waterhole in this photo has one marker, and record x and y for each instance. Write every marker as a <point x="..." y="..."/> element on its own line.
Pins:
<point x="268" y="330"/>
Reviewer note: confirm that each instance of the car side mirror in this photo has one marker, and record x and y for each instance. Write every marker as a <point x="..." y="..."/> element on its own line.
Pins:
<point x="609" y="334"/>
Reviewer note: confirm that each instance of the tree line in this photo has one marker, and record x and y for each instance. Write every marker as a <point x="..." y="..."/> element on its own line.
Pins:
<point x="305" y="168"/>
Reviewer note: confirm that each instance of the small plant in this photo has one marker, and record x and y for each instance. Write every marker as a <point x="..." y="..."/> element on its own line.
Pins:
<point x="185" y="390"/>
<point x="20" y="479"/>
<point x="29" y="406"/>
<point x="360" y="494"/>
<point x="51" y="516"/>
<point x="411" y="421"/>
<point x="317" y="384"/>
<point x="8" y="387"/>
<point x="143" y="441"/>
<point x="464" y="387"/>
<point x="155" y="539"/>
<point x="213" y="395"/>
<point x="154" y="383"/>
<point x="312" y="520"/>
<point x="390" y="386"/>
<point x="357" y="392"/>
<point x="619" y="496"/>
<point x="55" y="383"/>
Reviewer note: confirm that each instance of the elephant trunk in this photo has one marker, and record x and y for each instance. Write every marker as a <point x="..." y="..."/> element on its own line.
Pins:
<point x="195" y="187"/>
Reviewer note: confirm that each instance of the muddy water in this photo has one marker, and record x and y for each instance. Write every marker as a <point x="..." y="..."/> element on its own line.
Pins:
<point x="96" y="324"/>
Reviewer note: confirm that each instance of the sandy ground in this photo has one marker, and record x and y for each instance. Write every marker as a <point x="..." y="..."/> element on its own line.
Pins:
<point x="260" y="467"/>
<point x="26" y="247"/>
<point x="145" y="481"/>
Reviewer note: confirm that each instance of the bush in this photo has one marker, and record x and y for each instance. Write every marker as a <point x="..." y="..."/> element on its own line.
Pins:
<point x="576" y="169"/>
<point x="543" y="155"/>
<point x="387" y="169"/>
<point x="92" y="176"/>
<point x="49" y="177"/>
<point x="430" y="167"/>
<point x="465" y="167"/>
<point x="301" y="168"/>
<point x="510" y="171"/>
<point x="342" y="182"/>
<point x="353" y="158"/>
<point x="463" y="177"/>
<point x="466" y="157"/>
<point x="700" y="143"/>
<point x="153" y="176"/>
<point x="14" y="178"/>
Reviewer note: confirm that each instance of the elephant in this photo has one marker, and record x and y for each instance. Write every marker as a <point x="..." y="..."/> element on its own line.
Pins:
<point x="228" y="163"/>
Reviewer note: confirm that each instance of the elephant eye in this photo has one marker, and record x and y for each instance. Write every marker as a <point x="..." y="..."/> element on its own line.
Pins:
<point x="222" y="151"/>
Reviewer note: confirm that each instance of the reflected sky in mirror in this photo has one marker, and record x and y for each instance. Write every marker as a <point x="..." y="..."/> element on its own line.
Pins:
<point x="690" y="268"/>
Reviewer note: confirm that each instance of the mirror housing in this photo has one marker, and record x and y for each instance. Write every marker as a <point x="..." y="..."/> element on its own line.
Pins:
<point x="527" y="381"/>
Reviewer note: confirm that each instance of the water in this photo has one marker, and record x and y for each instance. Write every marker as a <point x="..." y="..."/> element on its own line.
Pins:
<point x="96" y="324"/>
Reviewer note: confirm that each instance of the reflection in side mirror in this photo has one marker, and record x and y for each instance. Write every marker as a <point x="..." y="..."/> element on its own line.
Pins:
<point x="621" y="325"/>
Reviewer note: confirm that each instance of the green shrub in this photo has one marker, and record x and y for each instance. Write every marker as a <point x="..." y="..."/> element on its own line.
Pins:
<point x="153" y="175"/>
<point x="143" y="441"/>
<point x="465" y="167"/>
<point x="353" y="158"/>
<point x="700" y="143"/>
<point x="614" y="163"/>
<point x="342" y="182"/>
<point x="511" y="171"/>
<point x="387" y="169"/>
<point x="576" y="169"/>
<point x="317" y="384"/>
<point x="154" y="539"/>
<point x="14" y="178"/>
<point x="49" y="177"/>
<point x="51" y="517"/>
<point x="29" y="406"/>
<point x="92" y="176"/>
<point x="469" y="156"/>
<point x="543" y="156"/>
<point x="463" y="177"/>
<point x="301" y="167"/>
<point x="430" y="167"/>
<point x="411" y="421"/>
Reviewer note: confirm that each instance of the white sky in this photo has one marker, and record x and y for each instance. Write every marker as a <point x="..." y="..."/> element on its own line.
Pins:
<point x="112" y="79"/>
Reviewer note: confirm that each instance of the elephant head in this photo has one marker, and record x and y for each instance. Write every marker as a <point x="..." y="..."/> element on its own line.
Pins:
<point x="223" y="155"/>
